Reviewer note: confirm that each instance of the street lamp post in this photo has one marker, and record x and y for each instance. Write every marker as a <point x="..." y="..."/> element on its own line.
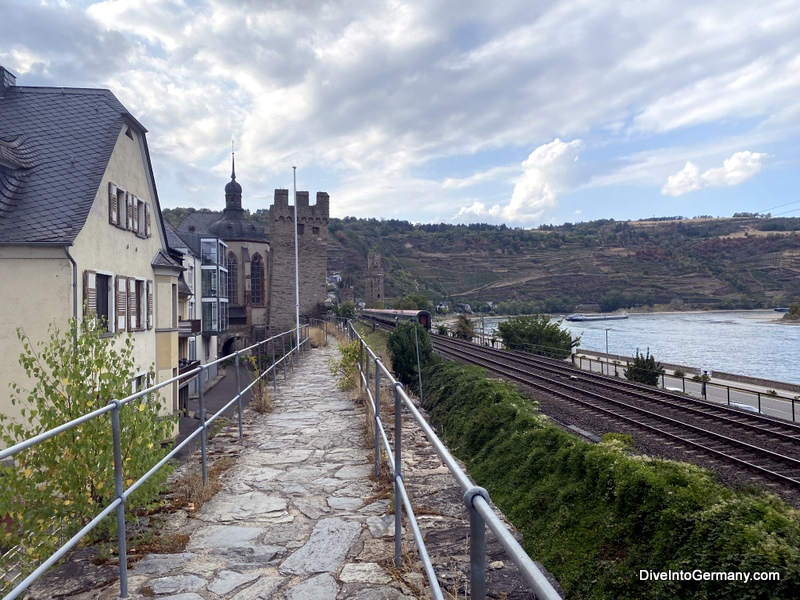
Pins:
<point x="296" y="261"/>
<point x="607" y="358"/>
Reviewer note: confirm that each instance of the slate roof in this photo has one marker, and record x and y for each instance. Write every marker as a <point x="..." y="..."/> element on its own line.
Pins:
<point x="232" y="224"/>
<point x="55" y="144"/>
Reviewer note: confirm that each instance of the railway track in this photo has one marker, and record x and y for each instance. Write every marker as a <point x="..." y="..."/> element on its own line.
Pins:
<point x="741" y="447"/>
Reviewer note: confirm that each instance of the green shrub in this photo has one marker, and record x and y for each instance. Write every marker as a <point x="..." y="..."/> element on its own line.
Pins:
<point x="59" y="485"/>
<point x="644" y="369"/>
<point x="595" y="515"/>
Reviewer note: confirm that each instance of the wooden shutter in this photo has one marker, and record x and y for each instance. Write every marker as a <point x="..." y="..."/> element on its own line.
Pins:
<point x="133" y="308"/>
<point x="149" y="303"/>
<point x="89" y="293"/>
<point x="136" y="214"/>
<point x="129" y="202"/>
<point x="113" y="209"/>
<point x="122" y="302"/>
<point x="147" y="228"/>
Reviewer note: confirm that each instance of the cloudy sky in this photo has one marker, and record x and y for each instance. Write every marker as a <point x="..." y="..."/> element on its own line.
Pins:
<point x="450" y="111"/>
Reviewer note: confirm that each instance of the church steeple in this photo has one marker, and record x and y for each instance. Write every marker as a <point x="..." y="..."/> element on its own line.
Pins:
<point x="233" y="191"/>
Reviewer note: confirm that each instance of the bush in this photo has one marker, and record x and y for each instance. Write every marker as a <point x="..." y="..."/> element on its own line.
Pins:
<point x="644" y="369"/>
<point x="537" y="334"/>
<point x="59" y="485"/>
<point x="402" y="344"/>
<point x="595" y="515"/>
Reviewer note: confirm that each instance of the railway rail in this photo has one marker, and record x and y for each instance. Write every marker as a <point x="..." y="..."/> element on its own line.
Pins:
<point x="740" y="446"/>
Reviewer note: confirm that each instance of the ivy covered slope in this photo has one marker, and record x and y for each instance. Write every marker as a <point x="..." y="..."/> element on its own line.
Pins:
<point x="596" y="515"/>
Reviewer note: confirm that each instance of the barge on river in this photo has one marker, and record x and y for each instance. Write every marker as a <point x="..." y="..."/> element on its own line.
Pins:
<point x="582" y="317"/>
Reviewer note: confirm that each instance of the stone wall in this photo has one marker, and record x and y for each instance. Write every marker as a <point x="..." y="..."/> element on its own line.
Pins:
<point x="313" y="253"/>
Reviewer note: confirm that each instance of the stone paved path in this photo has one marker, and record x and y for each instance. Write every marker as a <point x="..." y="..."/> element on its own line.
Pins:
<point x="298" y="516"/>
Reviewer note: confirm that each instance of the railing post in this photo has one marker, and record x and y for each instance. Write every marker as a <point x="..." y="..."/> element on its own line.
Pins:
<point x="377" y="416"/>
<point x="729" y="394"/>
<point x="119" y="491"/>
<point x="366" y="373"/>
<point x="360" y="363"/>
<point x="239" y="394"/>
<point x="477" y="544"/>
<point x="203" y="430"/>
<point x="283" y="354"/>
<point x="274" y="367"/>
<point x="759" y="402"/>
<point x="398" y="475"/>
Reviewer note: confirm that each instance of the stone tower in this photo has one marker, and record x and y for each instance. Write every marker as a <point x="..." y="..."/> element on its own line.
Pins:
<point x="312" y="239"/>
<point x="373" y="282"/>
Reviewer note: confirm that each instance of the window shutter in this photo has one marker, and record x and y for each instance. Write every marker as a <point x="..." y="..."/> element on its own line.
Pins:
<point x="129" y="201"/>
<point x="89" y="293"/>
<point x="136" y="214"/>
<point x="122" y="302"/>
<point x="147" y="228"/>
<point x="149" y="304"/>
<point x="133" y="309"/>
<point x="113" y="209"/>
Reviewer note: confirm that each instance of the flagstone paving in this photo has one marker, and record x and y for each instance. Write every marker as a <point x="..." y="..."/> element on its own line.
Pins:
<point x="298" y="516"/>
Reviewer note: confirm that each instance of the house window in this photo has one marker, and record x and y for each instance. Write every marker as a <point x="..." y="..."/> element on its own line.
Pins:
<point x="210" y="323"/>
<point x="140" y="221"/>
<point x="105" y="301"/>
<point x="192" y="349"/>
<point x="209" y="283"/>
<point x="141" y="309"/>
<point x="233" y="278"/>
<point x="208" y="252"/>
<point x="256" y="280"/>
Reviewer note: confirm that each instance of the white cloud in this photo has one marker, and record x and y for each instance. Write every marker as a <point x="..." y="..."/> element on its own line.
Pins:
<point x="734" y="170"/>
<point x="548" y="171"/>
<point x="367" y="95"/>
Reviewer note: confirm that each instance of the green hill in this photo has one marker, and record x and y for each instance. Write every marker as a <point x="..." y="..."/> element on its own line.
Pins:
<point x="682" y="263"/>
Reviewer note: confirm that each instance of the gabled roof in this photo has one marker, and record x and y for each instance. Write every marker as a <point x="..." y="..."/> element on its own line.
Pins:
<point x="55" y="144"/>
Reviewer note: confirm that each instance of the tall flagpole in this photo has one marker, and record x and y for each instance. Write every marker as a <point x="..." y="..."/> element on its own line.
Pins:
<point x="296" y="258"/>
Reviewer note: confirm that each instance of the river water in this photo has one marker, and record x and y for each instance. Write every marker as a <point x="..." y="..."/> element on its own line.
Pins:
<point x="752" y="343"/>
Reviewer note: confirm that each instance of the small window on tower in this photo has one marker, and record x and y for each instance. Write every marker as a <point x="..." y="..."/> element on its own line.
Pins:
<point x="315" y="230"/>
<point x="300" y="228"/>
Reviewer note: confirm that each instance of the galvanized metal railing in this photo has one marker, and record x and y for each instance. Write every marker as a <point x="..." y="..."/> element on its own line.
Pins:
<point x="475" y="498"/>
<point x="288" y="354"/>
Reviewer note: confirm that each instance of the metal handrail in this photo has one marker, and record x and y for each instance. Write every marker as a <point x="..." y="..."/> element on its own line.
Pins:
<point x="122" y="494"/>
<point x="476" y="498"/>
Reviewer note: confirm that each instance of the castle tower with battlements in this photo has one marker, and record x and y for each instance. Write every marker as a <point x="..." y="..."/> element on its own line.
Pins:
<point x="312" y="239"/>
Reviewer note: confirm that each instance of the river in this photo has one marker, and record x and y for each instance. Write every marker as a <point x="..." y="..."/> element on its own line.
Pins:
<point x="752" y="343"/>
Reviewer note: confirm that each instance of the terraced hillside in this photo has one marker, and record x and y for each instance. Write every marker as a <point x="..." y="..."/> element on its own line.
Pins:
<point x="710" y="263"/>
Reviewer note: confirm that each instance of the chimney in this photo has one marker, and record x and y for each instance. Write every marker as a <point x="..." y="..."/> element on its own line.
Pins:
<point x="8" y="78"/>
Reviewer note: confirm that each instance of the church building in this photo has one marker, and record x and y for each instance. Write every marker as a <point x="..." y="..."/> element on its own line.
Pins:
<point x="261" y="265"/>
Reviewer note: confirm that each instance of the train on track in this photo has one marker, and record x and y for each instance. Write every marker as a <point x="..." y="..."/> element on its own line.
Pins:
<point x="393" y="317"/>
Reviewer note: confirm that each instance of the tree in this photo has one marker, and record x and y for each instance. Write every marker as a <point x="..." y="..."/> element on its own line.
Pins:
<point x="346" y="310"/>
<point x="59" y="485"/>
<point x="536" y="334"/>
<point x="644" y="369"/>
<point x="402" y="344"/>
<point x="464" y="328"/>
<point x="412" y="302"/>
